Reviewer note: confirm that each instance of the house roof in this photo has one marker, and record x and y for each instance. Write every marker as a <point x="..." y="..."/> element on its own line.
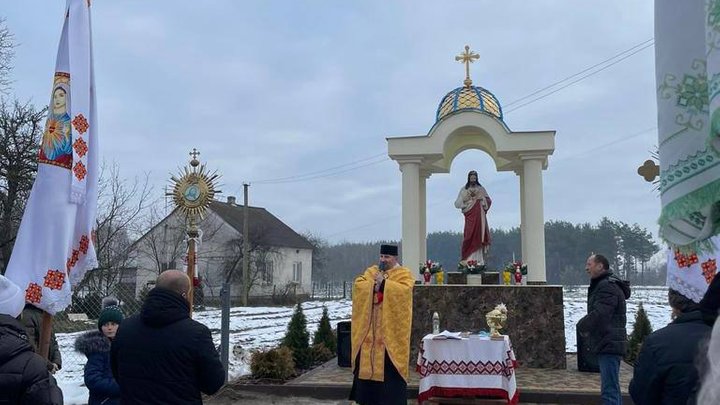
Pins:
<point x="274" y="232"/>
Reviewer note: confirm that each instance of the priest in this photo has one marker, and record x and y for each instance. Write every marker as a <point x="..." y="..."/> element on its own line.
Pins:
<point x="381" y="320"/>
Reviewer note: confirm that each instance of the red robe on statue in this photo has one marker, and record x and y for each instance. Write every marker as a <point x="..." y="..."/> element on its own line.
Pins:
<point x="477" y="232"/>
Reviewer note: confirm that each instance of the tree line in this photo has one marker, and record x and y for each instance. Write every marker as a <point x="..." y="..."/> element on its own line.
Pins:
<point x="567" y="247"/>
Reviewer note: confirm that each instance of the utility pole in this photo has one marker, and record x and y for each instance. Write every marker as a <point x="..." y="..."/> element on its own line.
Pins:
<point x="246" y="247"/>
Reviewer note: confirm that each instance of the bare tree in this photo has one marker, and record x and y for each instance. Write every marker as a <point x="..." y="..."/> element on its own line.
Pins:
<point x="20" y="132"/>
<point x="164" y="243"/>
<point x="7" y="51"/>
<point x="121" y="207"/>
<point x="319" y="256"/>
<point x="260" y="253"/>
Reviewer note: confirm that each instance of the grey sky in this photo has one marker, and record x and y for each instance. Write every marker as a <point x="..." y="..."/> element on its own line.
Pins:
<point x="273" y="89"/>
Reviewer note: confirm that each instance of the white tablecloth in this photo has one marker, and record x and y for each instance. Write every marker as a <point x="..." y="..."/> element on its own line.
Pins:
<point x="466" y="368"/>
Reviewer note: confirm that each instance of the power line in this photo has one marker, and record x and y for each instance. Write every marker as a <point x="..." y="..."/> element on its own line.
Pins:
<point x="607" y="63"/>
<point x="646" y="43"/>
<point x="318" y="171"/>
<point x="605" y="145"/>
<point x="580" y="78"/>
<point x="322" y="176"/>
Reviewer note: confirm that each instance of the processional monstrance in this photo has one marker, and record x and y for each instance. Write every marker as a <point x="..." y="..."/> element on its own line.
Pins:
<point x="193" y="190"/>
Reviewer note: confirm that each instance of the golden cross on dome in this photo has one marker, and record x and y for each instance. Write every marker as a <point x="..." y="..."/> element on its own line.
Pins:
<point x="467" y="58"/>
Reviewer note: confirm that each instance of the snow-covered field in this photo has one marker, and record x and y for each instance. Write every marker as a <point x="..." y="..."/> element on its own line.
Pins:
<point x="261" y="327"/>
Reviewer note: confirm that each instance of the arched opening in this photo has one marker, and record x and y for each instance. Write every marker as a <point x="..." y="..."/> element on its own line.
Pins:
<point x="523" y="153"/>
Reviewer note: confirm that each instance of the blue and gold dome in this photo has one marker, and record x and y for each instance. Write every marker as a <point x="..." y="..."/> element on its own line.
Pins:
<point x="472" y="98"/>
<point x="469" y="97"/>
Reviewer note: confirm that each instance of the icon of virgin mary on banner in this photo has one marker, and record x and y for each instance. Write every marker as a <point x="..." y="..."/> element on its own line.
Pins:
<point x="474" y="203"/>
<point x="55" y="242"/>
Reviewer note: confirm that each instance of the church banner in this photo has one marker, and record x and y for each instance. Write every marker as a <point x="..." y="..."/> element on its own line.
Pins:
<point x="687" y="69"/>
<point x="55" y="243"/>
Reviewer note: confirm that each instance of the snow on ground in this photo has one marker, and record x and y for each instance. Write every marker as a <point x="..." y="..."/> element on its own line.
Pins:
<point x="261" y="327"/>
<point x="250" y="327"/>
<point x="654" y="300"/>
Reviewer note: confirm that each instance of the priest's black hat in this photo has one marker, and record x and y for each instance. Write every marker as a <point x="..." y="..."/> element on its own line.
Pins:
<point x="391" y="250"/>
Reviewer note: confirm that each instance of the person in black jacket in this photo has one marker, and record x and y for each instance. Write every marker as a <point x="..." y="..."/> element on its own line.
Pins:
<point x="603" y="328"/>
<point x="24" y="377"/>
<point x="162" y="356"/>
<point x="95" y="345"/>
<point x="32" y="319"/>
<point x="666" y="371"/>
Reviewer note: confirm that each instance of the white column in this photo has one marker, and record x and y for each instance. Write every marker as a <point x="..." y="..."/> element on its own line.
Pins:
<point x="534" y="221"/>
<point x="423" y="215"/>
<point x="523" y="242"/>
<point x="410" y="212"/>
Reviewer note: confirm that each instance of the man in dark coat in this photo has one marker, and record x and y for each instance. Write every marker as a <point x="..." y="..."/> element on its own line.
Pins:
<point x="162" y="356"/>
<point x="603" y="328"/>
<point x="24" y="377"/>
<point x="32" y="319"/>
<point x="666" y="371"/>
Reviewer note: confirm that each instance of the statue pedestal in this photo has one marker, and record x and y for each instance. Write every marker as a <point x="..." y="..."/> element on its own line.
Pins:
<point x="535" y="321"/>
<point x="457" y="278"/>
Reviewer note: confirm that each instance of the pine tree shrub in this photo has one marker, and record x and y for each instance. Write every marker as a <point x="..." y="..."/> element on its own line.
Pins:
<point x="321" y="354"/>
<point x="274" y="363"/>
<point x="641" y="329"/>
<point x="324" y="334"/>
<point x="297" y="339"/>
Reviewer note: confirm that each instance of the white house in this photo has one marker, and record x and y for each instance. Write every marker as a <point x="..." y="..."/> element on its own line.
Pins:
<point x="280" y="258"/>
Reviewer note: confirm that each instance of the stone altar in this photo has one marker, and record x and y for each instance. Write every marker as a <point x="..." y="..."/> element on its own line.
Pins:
<point x="535" y="322"/>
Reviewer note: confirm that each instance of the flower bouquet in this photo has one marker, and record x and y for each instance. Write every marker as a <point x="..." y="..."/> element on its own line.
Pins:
<point x="517" y="268"/>
<point x="512" y="267"/>
<point x="430" y="268"/>
<point x="471" y="267"/>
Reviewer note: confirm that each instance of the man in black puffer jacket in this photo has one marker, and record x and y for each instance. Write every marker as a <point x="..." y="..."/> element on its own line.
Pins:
<point x="162" y="356"/>
<point x="24" y="377"/>
<point x="666" y="371"/>
<point x="603" y="328"/>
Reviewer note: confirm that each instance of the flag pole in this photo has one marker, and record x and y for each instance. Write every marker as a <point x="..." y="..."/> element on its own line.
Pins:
<point x="45" y="333"/>
<point x="192" y="233"/>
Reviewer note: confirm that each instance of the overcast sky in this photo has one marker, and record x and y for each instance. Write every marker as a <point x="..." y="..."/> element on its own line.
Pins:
<point x="279" y="89"/>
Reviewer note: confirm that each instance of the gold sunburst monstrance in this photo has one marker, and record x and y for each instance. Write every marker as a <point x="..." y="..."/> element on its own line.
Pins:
<point x="192" y="193"/>
<point x="194" y="188"/>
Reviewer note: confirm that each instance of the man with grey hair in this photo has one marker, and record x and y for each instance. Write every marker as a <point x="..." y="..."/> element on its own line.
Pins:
<point x="162" y="356"/>
<point x="603" y="328"/>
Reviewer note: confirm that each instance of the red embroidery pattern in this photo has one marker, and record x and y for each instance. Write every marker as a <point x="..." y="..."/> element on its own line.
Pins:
<point x="80" y="147"/>
<point x="54" y="279"/>
<point x="467" y="367"/>
<point x="75" y="257"/>
<point x="84" y="244"/>
<point x="80" y="171"/>
<point x="709" y="269"/>
<point x="33" y="293"/>
<point x="80" y="123"/>
<point x="683" y="260"/>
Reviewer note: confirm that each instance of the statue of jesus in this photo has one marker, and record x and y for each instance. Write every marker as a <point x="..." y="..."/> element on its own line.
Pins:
<point x="474" y="203"/>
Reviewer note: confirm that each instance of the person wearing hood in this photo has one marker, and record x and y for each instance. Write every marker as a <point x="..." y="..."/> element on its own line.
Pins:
<point x="24" y="377"/>
<point x="666" y="370"/>
<point x="95" y="345"/>
<point x="162" y="356"/>
<point x="603" y="328"/>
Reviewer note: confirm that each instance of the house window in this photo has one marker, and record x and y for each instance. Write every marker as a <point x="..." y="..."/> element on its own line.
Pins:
<point x="168" y="266"/>
<point x="267" y="274"/>
<point x="297" y="272"/>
